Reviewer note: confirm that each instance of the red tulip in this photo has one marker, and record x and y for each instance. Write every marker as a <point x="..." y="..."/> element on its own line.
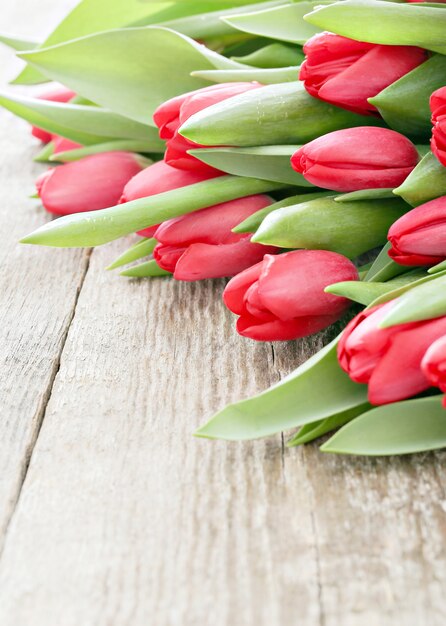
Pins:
<point x="387" y="359"/>
<point x="55" y="95"/>
<point x="201" y="245"/>
<point x="438" y="108"/>
<point x="365" y="157"/>
<point x="419" y="236"/>
<point x="433" y="365"/>
<point x="61" y="144"/>
<point x="173" y="113"/>
<point x="158" y="178"/>
<point x="94" y="182"/>
<point x="283" y="297"/>
<point x="346" y="72"/>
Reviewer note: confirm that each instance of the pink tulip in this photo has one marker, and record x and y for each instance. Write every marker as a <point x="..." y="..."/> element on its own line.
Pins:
<point x="94" y="182"/>
<point x="170" y="115"/>
<point x="433" y="365"/>
<point x="438" y="108"/>
<point x="201" y="245"/>
<point x="387" y="359"/>
<point x="283" y="297"/>
<point x="55" y="95"/>
<point x="419" y="236"/>
<point x="158" y="178"/>
<point x="346" y="72"/>
<point x="61" y="144"/>
<point x="365" y="157"/>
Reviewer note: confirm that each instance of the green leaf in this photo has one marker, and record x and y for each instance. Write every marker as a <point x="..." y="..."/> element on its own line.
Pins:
<point x="266" y="162"/>
<point x="140" y="249"/>
<point x="84" y="124"/>
<point x="276" y="114"/>
<point x="312" y="431"/>
<point x="437" y="268"/>
<point x="45" y="154"/>
<point x="398" y="428"/>
<point x="284" y="23"/>
<point x="386" y="23"/>
<point x="252" y="223"/>
<point x="207" y="22"/>
<point x="426" y="182"/>
<point x="384" y="268"/>
<point x="264" y="76"/>
<point x="94" y="228"/>
<point x="127" y="145"/>
<point x="405" y="104"/>
<point x="92" y="16"/>
<point x="365" y="194"/>
<point x="323" y="224"/>
<point x="272" y="56"/>
<point x="130" y="71"/>
<point x="423" y="302"/>
<point x="17" y="43"/>
<point x="149" y="269"/>
<point x="295" y="401"/>
<point x="368" y="293"/>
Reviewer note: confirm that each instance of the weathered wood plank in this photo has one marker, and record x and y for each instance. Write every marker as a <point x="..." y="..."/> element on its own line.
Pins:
<point x="38" y="293"/>
<point x="127" y="519"/>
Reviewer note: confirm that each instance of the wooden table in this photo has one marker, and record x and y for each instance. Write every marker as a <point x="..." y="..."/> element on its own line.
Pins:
<point x="112" y="514"/>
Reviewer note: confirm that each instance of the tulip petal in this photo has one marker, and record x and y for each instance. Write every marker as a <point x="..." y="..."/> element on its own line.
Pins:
<point x="398" y="374"/>
<point x="280" y="330"/>
<point x="202" y="260"/>
<point x="233" y="295"/>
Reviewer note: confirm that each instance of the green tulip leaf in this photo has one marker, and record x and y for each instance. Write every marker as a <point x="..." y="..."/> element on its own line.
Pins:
<point x="93" y="228"/>
<point x="323" y="224"/>
<point x="129" y="71"/>
<point x="17" y="43"/>
<point x="272" y="115"/>
<point x="149" y="269"/>
<point x="405" y="104"/>
<point x="126" y="145"/>
<point x="252" y="223"/>
<point x="139" y="250"/>
<point x="45" y="154"/>
<point x="266" y="162"/>
<point x="295" y="401"/>
<point x="386" y="23"/>
<point x="384" y="268"/>
<point x="84" y="124"/>
<point x="272" y="56"/>
<point x="264" y="76"/>
<point x="437" y="268"/>
<point x="399" y="428"/>
<point x="365" y="194"/>
<point x="423" y="302"/>
<point x="426" y="182"/>
<point x="317" y="429"/>
<point x="284" y="23"/>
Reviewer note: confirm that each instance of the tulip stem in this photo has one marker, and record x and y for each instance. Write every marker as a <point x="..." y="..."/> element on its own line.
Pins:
<point x="94" y="228"/>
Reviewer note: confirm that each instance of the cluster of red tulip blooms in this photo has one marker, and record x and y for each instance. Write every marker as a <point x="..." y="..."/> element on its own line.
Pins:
<point x="221" y="201"/>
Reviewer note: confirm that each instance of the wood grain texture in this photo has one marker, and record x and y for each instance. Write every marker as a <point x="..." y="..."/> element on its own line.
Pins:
<point x="38" y="293"/>
<point x="124" y="519"/>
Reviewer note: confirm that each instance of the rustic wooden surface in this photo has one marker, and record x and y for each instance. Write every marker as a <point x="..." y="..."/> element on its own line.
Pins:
<point x="111" y="514"/>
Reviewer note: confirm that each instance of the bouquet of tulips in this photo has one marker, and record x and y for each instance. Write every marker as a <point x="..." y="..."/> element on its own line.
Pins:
<point x="295" y="147"/>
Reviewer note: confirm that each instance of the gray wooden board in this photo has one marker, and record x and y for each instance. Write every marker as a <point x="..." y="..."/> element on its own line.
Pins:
<point x="112" y="514"/>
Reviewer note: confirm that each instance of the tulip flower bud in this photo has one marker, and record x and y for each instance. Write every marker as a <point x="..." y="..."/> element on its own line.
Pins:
<point x="356" y="158"/>
<point x="419" y="236"/>
<point x="438" y="108"/>
<point x="92" y="183"/>
<point x="202" y="245"/>
<point x="158" y="178"/>
<point x="58" y="95"/>
<point x="346" y="72"/>
<point x="173" y="113"/>
<point x="433" y="365"/>
<point x="283" y="298"/>
<point x="387" y="359"/>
